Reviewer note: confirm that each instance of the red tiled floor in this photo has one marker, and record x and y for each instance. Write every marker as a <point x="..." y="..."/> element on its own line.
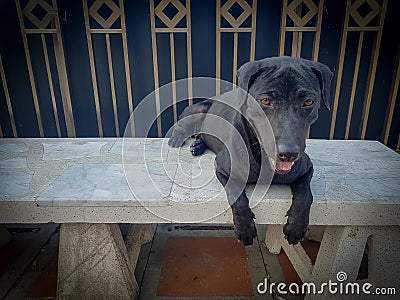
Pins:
<point x="204" y="266"/>
<point x="45" y="283"/>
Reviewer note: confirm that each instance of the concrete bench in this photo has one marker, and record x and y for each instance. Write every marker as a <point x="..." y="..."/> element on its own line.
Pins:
<point x="81" y="184"/>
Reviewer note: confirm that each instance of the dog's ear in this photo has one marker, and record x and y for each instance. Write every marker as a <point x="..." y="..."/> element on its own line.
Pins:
<point x="324" y="76"/>
<point x="248" y="73"/>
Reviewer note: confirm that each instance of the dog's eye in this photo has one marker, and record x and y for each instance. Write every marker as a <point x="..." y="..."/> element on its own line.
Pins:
<point x="265" y="101"/>
<point x="308" y="102"/>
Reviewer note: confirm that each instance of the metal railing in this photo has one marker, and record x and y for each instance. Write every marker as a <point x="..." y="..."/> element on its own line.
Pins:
<point x="298" y="17"/>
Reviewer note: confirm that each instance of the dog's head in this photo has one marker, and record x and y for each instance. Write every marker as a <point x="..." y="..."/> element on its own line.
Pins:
<point x="289" y="91"/>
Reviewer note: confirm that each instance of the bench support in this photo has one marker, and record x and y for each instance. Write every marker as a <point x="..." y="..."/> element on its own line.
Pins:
<point x="138" y="235"/>
<point x="94" y="263"/>
<point x="341" y="250"/>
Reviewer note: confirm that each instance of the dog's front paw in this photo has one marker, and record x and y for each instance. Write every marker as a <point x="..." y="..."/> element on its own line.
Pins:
<point x="197" y="147"/>
<point x="245" y="228"/>
<point x="177" y="139"/>
<point x="295" y="232"/>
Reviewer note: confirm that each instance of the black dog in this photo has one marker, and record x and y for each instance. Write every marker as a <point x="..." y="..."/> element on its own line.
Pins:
<point x="289" y="91"/>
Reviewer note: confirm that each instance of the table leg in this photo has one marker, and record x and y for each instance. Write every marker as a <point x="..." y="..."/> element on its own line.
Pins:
<point x="384" y="258"/>
<point x="274" y="238"/>
<point x="94" y="264"/>
<point x="138" y="235"/>
<point x="275" y="241"/>
<point x="341" y="250"/>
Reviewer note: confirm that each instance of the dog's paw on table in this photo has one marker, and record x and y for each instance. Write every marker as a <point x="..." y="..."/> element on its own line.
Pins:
<point x="295" y="232"/>
<point x="198" y="147"/>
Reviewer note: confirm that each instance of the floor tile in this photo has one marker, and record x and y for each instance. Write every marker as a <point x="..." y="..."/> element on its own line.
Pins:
<point x="204" y="266"/>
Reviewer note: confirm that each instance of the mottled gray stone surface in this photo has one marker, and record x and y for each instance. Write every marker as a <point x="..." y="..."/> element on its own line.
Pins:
<point x="60" y="150"/>
<point x="141" y="149"/>
<point x="354" y="171"/>
<point x="150" y="183"/>
<point x="97" y="184"/>
<point x="10" y="147"/>
<point x="88" y="182"/>
<point x="14" y="183"/>
<point x="349" y="175"/>
<point x="13" y="163"/>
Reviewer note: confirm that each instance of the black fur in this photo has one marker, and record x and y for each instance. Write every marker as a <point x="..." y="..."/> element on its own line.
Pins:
<point x="288" y="83"/>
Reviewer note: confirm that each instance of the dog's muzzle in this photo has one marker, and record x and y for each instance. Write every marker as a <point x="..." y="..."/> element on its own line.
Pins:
<point x="286" y="157"/>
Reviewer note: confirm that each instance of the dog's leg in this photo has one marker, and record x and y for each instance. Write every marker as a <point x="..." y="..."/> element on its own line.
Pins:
<point x="198" y="146"/>
<point x="243" y="217"/>
<point x="189" y="123"/>
<point x="299" y="212"/>
<point x="243" y="220"/>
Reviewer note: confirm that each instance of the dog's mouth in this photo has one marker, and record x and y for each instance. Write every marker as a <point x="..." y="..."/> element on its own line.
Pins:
<point x="282" y="167"/>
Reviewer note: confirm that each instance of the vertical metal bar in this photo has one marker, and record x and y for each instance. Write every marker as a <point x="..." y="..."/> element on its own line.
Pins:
<point x="299" y="43"/>
<point x="398" y="143"/>
<point x="50" y="80"/>
<point x="297" y="36"/>
<point x="112" y="84"/>
<point x="92" y="68"/>
<point x="393" y="96"/>
<point x="189" y="51"/>
<point x="354" y="86"/>
<point x="372" y="72"/>
<point x="295" y="44"/>
<point x="235" y="54"/>
<point x="253" y="31"/>
<point x="1" y="132"/>
<point x="8" y="99"/>
<point x="218" y="48"/>
<point x="30" y="70"/>
<point x="127" y="69"/>
<point x="283" y="29"/>
<point x="63" y="77"/>
<point x="340" y="69"/>
<point x="155" y="67"/>
<point x="64" y="89"/>
<point x="173" y="76"/>
<point x="317" y="37"/>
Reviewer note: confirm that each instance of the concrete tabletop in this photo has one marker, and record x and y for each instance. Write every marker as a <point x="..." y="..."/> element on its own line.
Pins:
<point x="87" y="179"/>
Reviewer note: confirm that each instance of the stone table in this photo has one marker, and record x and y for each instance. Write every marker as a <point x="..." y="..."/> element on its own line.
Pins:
<point x="91" y="184"/>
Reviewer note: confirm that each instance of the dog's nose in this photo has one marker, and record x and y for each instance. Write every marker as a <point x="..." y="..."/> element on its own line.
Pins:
<point x="288" y="156"/>
<point x="288" y="153"/>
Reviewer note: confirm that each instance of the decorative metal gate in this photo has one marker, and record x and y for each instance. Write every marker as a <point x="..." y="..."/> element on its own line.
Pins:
<point x="82" y="66"/>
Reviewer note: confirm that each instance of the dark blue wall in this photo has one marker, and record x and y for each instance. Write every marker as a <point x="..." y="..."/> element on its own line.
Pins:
<point x="203" y="45"/>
